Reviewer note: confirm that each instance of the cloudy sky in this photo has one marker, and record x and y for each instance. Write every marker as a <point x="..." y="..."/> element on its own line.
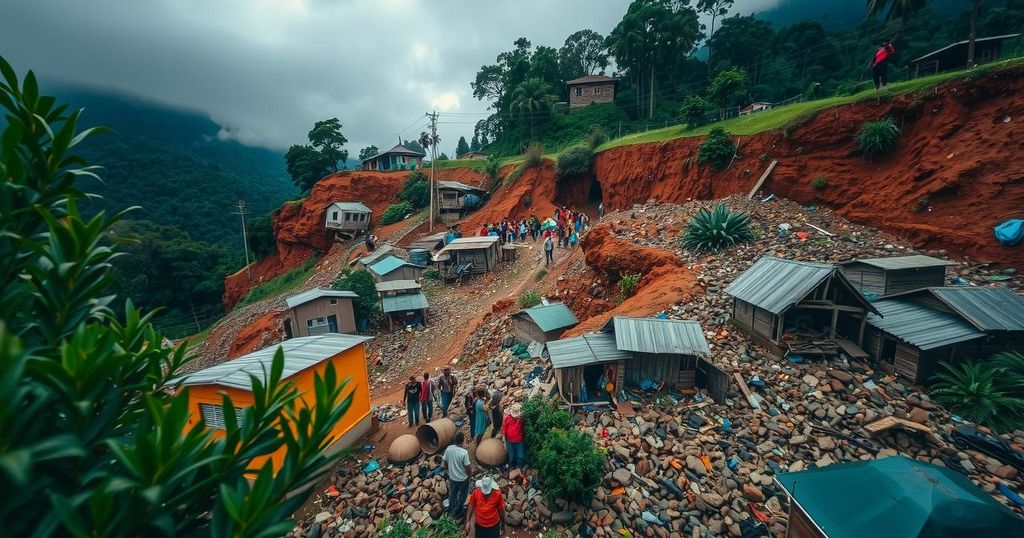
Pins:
<point x="265" y="70"/>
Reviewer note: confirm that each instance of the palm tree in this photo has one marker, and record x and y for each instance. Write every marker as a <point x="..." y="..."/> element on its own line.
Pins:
<point x="897" y="9"/>
<point x="530" y="97"/>
<point x="979" y="393"/>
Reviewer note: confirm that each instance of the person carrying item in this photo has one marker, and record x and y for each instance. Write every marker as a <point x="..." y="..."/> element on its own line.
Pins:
<point x="412" y="400"/>
<point x="480" y="415"/>
<point x="446" y="384"/>
<point x="494" y="407"/>
<point x="427" y="398"/>
<point x="486" y="510"/>
<point x="880" y="63"/>
<point x="458" y="467"/>
<point x="549" y="249"/>
<point x="513" y="429"/>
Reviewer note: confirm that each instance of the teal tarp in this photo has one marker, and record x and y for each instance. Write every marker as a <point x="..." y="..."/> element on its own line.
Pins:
<point x="898" y="497"/>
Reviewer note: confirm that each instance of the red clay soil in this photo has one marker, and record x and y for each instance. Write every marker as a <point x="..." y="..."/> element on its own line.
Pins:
<point x="510" y="200"/>
<point x="262" y="332"/>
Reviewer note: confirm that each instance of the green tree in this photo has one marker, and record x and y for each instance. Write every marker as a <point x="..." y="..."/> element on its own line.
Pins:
<point x="416" y="190"/>
<point x="531" y="98"/>
<point x="728" y="86"/>
<point x="367" y="152"/>
<point x="583" y="53"/>
<point x="544" y="65"/>
<point x="715" y="8"/>
<point x="462" y="147"/>
<point x="474" y="144"/>
<point x="900" y="10"/>
<point x="743" y="42"/>
<point x="91" y="442"/>
<point x="259" y="232"/>
<point x="694" y="110"/>
<point x="326" y="137"/>
<point x="306" y="166"/>
<point x="362" y="283"/>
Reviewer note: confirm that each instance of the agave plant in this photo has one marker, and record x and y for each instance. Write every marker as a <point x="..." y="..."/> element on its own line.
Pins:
<point x="979" y="393"/>
<point x="717" y="229"/>
<point x="878" y="138"/>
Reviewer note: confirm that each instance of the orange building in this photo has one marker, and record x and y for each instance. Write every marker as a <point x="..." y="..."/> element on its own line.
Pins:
<point x="303" y="358"/>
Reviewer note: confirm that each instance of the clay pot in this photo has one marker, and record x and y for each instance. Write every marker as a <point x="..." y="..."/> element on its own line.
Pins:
<point x="434" y="436"/>
<point x="491" y="452"/>
<point x="404" y="449"/>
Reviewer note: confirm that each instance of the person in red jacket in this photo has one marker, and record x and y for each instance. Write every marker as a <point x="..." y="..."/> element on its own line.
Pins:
<point x="512" y="429"/>
<point x="486" y="510"/>
<point x="880" y="63"/>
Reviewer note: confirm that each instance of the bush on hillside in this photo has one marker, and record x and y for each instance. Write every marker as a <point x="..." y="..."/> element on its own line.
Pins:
<point x="416" y="190"/>
<point x="597" y="136"/>
<point x="395" y="213"/>
<point x="431" y="274"/>
<point x="529" y="298"/>
<point x="877" y="139"/>
<point x="570" y="465"/>
<point x="627" y="286"/>
<point x="574" y="161"/>
<point x="715" y="230"/>
<point x="694" y="110"/>
<point x="819" y="183"/>
<point x="541" y="415"/>
<point x="362" y="283"/>
<point x="534" y="155"/>
<point x="492" y="167"/>
<point x="717" y="149"/>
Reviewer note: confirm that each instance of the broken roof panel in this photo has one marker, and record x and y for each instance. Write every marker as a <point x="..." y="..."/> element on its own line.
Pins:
<point x="378" y="254"/>
<point x="915" y="261"/>
<point x="299" y="354"/>
<point x="550" y="317"/>
<point x="398" y="285"/>
<point x="316" y="293"/>
<point x="775" y="284"/>
<point x="458" y="186"/>
<point x="585" y="349"/>
<point x="987" y="308"/>
<point x="659" y="336"/>
<point x="919" y="325"/>
<point x="401" y="303"/>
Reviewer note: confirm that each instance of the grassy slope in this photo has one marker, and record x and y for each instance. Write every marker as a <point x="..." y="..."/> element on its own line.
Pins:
<point x="779" y="117"/>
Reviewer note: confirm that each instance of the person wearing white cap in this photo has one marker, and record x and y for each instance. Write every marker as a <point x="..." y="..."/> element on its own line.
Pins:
<point x="512" y="429"/>
<point x="486" y="509"/>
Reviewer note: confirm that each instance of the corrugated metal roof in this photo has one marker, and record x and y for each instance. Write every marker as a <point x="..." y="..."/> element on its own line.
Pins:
<point x="920" y="326"/>
<point x="902" y="262"/>
<point x="987" y="308"/>
<point x="586" y="349"/>
<point x="401" y="303"/>
<point x="398" y="285"/>
<point x="550" y="317"/>
<point x="470" y="243"/>
<point x="964" y="42"/>
<point x="774" y="283"/>
<point x="299" y="354"/>
<point x="316" y="293"/>
<point x="389" y="264"/>
<point x="590" y="79"/>
<point x="458" y="186"/>
<point x="400" y="149"/>
<point x="660" y="336"/>
<point x="376" y="255"/>
<point x="353" y="207"/>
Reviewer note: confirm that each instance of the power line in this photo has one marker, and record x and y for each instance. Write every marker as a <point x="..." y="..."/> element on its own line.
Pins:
<point x="245" y="240"/>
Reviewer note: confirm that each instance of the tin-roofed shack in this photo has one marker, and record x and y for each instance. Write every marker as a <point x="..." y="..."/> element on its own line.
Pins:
<point x="458" y="197"/>
<point x="351" y="217"/>
<point x="542" y="323"/>
<point x="395" y="268"/>
<point x="481" y="253"/>
<point x="319" y="311"/>
<point x="797" y="307"/>
<point x="402" y="303"/>
<point x="881" y="277"/>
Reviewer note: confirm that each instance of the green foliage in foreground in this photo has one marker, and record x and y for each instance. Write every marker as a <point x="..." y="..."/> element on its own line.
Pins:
<point x="91" y="444"/>
<point x="715" y="230"/>
<point x="990" y="393"/>
<point x="281" y="283"/>
<point x="541" y="415"/>
<point x="529" y="298"/>
<point x="877" y="139"/>
<point x="395" y="213"/>
<point x="627" y="286"/>
<point x="569" y="463"/>
<point x="717" y="149"/>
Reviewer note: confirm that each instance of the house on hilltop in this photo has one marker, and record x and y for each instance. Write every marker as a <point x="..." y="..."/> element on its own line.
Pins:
<point x="591" y="89"/>
<point x="348" y="217"/>
<point x="396" y="158"/>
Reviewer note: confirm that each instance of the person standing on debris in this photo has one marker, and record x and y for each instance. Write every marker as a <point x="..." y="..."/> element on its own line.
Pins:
<point x="486" y="510"/>
<point x="494" y="407"/>
<point x="600" y="210"/>
<point x="458" y="466"/>
<point x="480" y="415"/>
<point x="412" y="401"/>
<point x="512" y="429"/>
<point x="446" y="383"/>
<point x="427" y="398"/>
<point x="880" y="63"/>
<point x="469" y="402"/>
<point x="549" y="250"/>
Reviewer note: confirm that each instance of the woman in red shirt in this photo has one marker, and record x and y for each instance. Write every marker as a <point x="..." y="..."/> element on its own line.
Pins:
<point x="486" y="510"/>
<point x="512" y="429"/>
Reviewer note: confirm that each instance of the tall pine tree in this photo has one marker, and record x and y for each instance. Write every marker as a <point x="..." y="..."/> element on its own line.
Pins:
<point x="462" y="148"/>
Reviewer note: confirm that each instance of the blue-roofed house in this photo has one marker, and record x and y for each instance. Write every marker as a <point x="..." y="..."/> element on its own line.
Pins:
<point x="542" y="323"/>
<point x="792" y="306"/>
<point x="395" y="268"/>
<point x="403" y="303"/>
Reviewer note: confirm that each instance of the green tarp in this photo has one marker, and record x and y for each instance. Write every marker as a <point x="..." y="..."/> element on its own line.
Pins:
<point x="898" y="497"/>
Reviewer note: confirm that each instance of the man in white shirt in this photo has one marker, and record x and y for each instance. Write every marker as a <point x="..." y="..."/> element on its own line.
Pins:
<point x="458" y="466"/>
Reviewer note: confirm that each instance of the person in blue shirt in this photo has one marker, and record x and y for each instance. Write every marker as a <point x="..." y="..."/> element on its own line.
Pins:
<point x="480" y="415"/>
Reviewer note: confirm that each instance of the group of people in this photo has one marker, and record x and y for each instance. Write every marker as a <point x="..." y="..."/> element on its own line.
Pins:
<point x="421" y="393"/>
<point x="563" y="229"/>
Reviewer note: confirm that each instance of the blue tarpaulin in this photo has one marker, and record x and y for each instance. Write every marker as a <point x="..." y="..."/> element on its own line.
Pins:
<point x="1010" y="233"/>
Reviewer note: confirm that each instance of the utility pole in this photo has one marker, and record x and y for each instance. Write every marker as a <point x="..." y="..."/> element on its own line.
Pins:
<point x="245" y="240"/>
<point x="433" y="161"/>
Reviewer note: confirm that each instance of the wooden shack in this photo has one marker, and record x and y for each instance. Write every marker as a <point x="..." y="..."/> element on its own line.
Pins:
<point x="542" y="323"/>
<point x="395" y="268"/>
<point x="882" y="277"/>
<point x="797" y="307"/>
<point x="954" y="55"/>
<point x="645" y="353"/>
<point x="348" y="217"/>
<point x="319" y="311"/>
<point x="480" y="251"/>
<point x="456" y="197"/>
<point x="403" y="303"/>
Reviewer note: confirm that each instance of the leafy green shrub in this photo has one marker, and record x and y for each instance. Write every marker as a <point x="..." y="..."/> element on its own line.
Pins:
<point x="988" y="393"/>
<point x="492" y="167"/>
<point x="443" y="527"/>
<point x="541" y="415"/>
<point x="534" y="155"/>
<point x="529" y="298"/>
<point x="819" y="183"/>
<point x="416" y="190"/>
<point x="362" y="283"/>
<point x="431" y="274"/>
<point x="717" y="149"/>
<point x="574" y="161"/>
<point x="395" y="213"/>
<point x="627" y="286"/>
<point x="718" y="229"/>
<point x="540" y="275"/>
<point x="393" y="528"/>
<point x="878" y="138"/>
<point x="597" y="137"/>
<point x="570" y="465"/>
<point x="694" y="110"/>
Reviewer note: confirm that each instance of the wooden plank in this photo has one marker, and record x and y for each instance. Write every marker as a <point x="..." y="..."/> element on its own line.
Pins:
<point x="746" y="392"/>
<point x="764" y="176"/>
<point x="885" y="423"/>
<point x="820" y="230"/>
<point x="851" y="349"/>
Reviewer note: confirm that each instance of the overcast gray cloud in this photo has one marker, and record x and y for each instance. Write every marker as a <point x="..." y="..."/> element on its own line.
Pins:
<point x="265" y="70"/>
